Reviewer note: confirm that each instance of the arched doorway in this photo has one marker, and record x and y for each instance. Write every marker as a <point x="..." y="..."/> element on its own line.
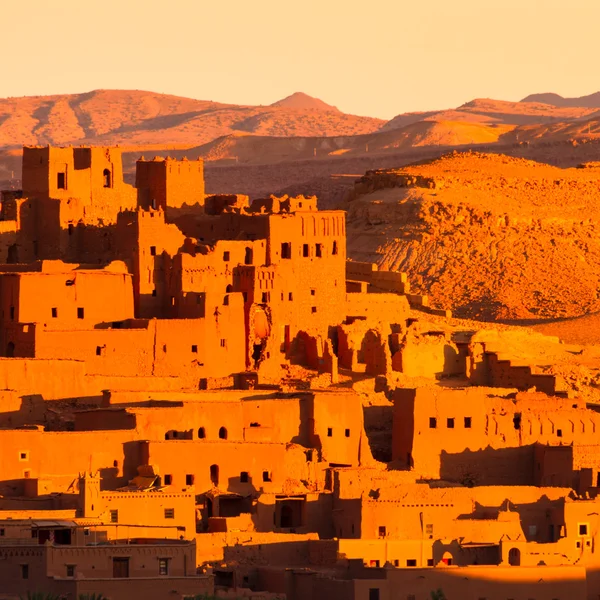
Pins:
<point x="514" y="557"/>
<point x="223" y="433"/>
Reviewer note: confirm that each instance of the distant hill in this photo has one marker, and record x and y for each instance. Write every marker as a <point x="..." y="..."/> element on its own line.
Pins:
<point x="488" y="111"/>
<point x="590" y="101"/>
<point x="302" y="101"/>
<point x="137" y="118"/>
<point x="244" y="148"/>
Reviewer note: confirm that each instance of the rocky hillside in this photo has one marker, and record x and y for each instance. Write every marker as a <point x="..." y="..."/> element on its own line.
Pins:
<point x="486" y="235"/>
<point x="145" y="118"/>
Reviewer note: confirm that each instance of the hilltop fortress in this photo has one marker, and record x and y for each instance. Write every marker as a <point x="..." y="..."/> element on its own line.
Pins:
<point x="200" y="395"/>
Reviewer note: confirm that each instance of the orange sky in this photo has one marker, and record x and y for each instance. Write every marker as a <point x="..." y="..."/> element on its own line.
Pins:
<point x="376" y="58"/>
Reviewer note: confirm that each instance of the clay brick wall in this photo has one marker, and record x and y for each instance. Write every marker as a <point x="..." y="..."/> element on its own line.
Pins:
<point x="59" y="456"/>
<point x="179" y="458"/>
<point x="163" y="183"/>
<point x="64" y="297"/>
<point x="444" y="438"/>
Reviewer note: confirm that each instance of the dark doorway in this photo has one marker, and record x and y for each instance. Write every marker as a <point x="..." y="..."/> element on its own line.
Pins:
<point x="120" y="567"/>
<point x="514" y="557"/>
<point x="13" y="255"/>
<point x="214" y="474"/>
<point x="290" y="512"/>
<point x="10" y="350"/>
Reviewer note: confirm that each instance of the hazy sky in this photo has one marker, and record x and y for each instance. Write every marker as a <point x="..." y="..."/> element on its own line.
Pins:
<point x="376" y="57"/>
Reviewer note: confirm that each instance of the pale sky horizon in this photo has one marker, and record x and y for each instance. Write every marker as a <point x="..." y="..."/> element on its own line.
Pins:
<point x="376" y="59"/>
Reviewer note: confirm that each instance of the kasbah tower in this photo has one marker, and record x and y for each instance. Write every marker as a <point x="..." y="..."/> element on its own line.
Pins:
<point x="202" y="397"/>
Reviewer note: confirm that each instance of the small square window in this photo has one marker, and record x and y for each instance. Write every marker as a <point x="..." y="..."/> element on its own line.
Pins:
<point x="98" y="350"/>
<point x="55" y="313"/>
<point x="432" y="422"/>
<point x="61" y="181"/>
<point x="114" y="516"/>
<point x="226" y="256"/>
<point x="396" y="562"/>
<point x="330" y="432"/>
<point x="559" y="432"/>
<point x="382" y="531"/>
<point x="2" y="532"/>
<point x="152" y="250"/>
<point x="266" y="476"/>
<point x="265" y="297"/>
<point x="313" y="309"/>
<point x="154" y="292"/>
<point x="70" y="570"/>
<point x="23" y="455"/>
<point x="80" y="313"/>
<point x="467" y="422"/>
<point x="430" y="562"/>
<point x="305" y="251"/>
<point x="429" y="528"/>
<point x="244" y="477"/>
<point x="347" y="432"/>
<point x="223" y="343"/>
<point x="194" y="348"/>
<point x="169" y="513"/>
<point x="318" y="251"/>
<point x="189" y="480"/>
<point x="313" y="292"/>
<point x="411" y="562"/>
<point x="290" y="296"/>
<point x="168" y="479"/>
<point x="450" y="423"/>
<point x="286" y="250"/>
<point x="583" y="529"/>
<point x="374" y="592"/>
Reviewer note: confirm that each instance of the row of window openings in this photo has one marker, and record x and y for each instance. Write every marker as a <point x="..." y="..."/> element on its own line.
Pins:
<point x="201" y="434"/>
<point x="120" y="568"/>
<point x="330" y="432"/>
<point x="214" y="477"/>
<point x="286" y="250"/>
<point x="61" y="180"/>
<point x="383" y="531"/>
<point x="168" y="512"/>
<point x="54" y="312"/>
<point x="449" y="422"/>
<point x="248" y="256"/>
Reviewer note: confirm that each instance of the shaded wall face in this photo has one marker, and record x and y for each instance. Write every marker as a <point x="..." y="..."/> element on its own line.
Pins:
<point x="493" y="583"/>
